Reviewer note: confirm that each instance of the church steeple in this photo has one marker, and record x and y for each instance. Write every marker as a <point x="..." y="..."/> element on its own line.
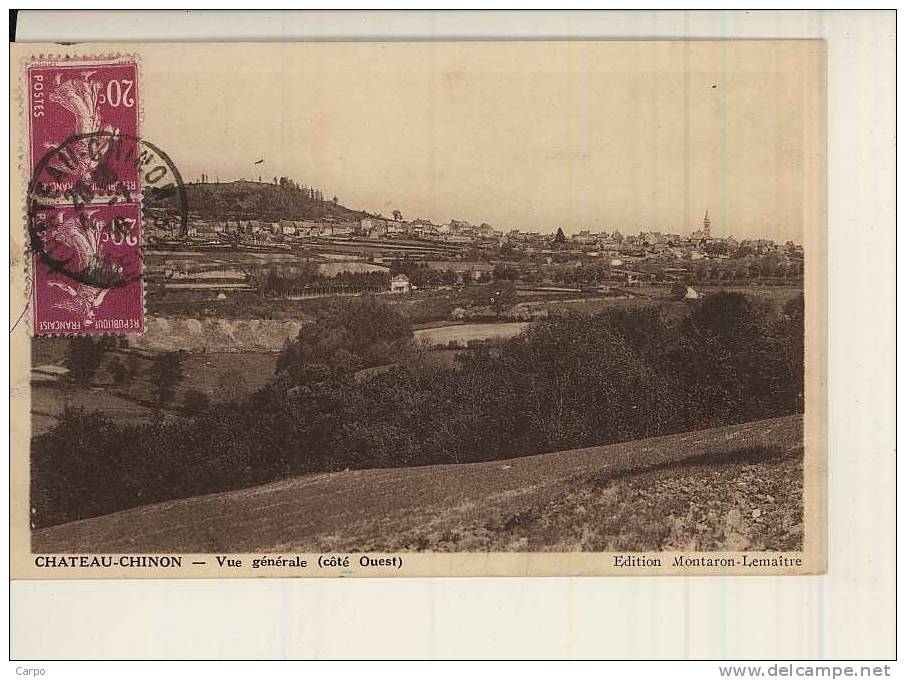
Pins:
<point x="706" y="225"/>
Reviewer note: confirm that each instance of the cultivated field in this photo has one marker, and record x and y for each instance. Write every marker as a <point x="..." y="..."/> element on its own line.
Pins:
<point x="223" y="377"/>
<point x="463" y="333"/>
<point x="736" y="487"/>
<point x="47" y="404"/>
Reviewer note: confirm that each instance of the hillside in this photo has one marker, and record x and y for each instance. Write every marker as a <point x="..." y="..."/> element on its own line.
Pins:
<point x="256" y="200"/>
<point x="736" y="487"/>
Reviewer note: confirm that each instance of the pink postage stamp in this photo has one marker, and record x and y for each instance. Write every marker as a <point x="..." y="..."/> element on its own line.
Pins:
<point x="88" y="269"/>
<point x="77" y="110"/>
<point x="85" y="196"/>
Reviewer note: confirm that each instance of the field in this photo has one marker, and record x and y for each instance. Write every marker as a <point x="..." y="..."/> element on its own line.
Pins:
<point x="736" y="488"/>
<point x="223" y="377"/>
<point x="47" y="403"/>
<point x="777" y="294"/>
<point x="463" y="333"/>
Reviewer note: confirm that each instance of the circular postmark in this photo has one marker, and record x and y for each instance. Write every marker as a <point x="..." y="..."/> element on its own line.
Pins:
<point x="87" y="200"/>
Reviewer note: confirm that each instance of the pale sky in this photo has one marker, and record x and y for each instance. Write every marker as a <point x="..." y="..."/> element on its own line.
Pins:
<point x="585" y="135"/>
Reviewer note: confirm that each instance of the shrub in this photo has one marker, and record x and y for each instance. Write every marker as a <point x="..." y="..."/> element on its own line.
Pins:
<point x="573" y="381"/>
<point x="195" y="402"/>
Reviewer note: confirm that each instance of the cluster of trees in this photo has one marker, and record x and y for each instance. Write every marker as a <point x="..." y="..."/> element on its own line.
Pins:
<point x="347" y="336"/>
<point x="752" y="267"/>
<point x="312" y="193"/>
<point x="283" y="198"/>
<point x="309" y="279"/>
<point x="499" y="296"/>
<point x="86" y="355"/>
<point x="422" y="276"/>
<point x="574" y="381"/>
<point x="770" y="266"/>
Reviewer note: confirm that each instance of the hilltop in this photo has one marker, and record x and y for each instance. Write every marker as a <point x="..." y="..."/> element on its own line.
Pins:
<point x="258" y="200"/>
<point x="737" y="487"/>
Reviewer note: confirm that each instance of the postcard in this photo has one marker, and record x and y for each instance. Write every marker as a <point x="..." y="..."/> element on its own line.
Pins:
<point x="343" y="309"/>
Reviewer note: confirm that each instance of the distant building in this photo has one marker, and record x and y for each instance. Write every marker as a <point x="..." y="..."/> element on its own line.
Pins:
<point x="584" y="237"/>
<point x="339" y="229"/>
<point x="202" y="228"/>
<point x="309" y="228"/>
<point x="703" y="234"/>
<point x="681" y="291"/>
<point x="464" y="270"/>
<point x="400" y="284"/>
<point x="289" y="227"/>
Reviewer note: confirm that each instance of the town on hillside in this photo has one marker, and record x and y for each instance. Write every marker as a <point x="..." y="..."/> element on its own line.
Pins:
<point x="331" y="249"/>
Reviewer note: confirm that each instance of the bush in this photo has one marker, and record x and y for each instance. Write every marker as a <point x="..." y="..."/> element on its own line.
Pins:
<point x="118" y="371"/>
<point x="346" y="337"/>
<point x="570" y="382"/>
<point x="166" y="374"/>
<point x="195" y="402"/>
<point x="84" y="356"/>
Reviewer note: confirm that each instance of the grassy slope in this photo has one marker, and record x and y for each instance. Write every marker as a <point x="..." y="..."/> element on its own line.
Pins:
<point x="736" y="487"/>
<point x="257" y="200"/>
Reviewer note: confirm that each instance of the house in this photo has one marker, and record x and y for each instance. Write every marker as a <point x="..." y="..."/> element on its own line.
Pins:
<point x="342" y="229"/>
<point x="464" y="270"/>
<point x="400" y="284"/>
<point x="372" y="227"/>
<point x="585" y="238"/>
<point x="628" y="276"/>
<point x="309" y="228"/>
<point x="681" y="291"/>
<point x="289" y="227"/>
<point x="205" y="228"/>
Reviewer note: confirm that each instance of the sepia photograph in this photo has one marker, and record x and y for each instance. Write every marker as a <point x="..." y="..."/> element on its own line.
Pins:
<point x="474" y="308"/>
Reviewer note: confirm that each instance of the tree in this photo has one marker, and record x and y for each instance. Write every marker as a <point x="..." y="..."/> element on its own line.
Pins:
<point x="349" y="335"/>
<point x="560" y="238"/>
<point x="505" y="273"/>
<point x="195" y="402"/>
<point x="84" y="356"/>
<point x="118" y="370"/>
<point x="166" y="374"/>
<point x="569" y="382"/>
<point x="504" y="297"/>
<point x="397" y="216"/>
<point x="133" y="367"/>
